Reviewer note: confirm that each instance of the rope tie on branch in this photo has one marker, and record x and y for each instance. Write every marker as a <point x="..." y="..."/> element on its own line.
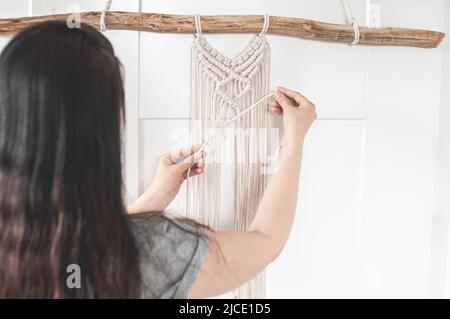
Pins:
<point x="106" y="8"/>
<point x="351" y="21"/>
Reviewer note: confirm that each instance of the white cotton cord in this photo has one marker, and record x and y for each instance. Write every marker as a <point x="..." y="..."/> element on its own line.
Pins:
<point x="198" y="25"/>
<point x="351" y="21"/>
<point x="357" y="33"/>
<point x="106" y="8"/>
<point x="210" y="133"/>
<point x="251" y="107"/>
<point x="266" y="24"/>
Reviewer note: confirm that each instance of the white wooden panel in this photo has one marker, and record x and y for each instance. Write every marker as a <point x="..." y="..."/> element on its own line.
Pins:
<point x="325" y="10"/>
<point x="401" y="116"/>
<point x="13" y="9"/>
<point x="399" y="171"/>
<point x="332" y="75"/>
<point x="420" y="14"/>
<point x="440" y="257"/>
<point x="441" y="222"/>
<point x="302" y="64"/>
<point x="165" y="75"/>
<point x="319" y="260"/>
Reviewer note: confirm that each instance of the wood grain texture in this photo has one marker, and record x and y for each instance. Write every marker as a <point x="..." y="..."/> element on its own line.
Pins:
<point x="296" y="27"/>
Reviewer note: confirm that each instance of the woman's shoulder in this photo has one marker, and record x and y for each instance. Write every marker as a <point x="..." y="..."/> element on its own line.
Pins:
<point x="159" y="228"/>
<point x="171" y="253"/>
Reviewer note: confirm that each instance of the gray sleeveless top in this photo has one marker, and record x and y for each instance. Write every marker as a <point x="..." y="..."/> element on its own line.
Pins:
<point x="171" y="253"/>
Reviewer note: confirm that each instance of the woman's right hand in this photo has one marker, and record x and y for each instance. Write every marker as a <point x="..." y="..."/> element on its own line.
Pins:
<point x="297" y="111"/>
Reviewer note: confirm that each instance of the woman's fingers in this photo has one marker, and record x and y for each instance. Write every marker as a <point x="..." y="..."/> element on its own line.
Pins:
<point x="276" y="110"/>
<point x="181" y="154"/>
<point x="274" y="103"/>
<point x="196" y="171"/>
<point x="283" y="100"/>
<point x="295" y="96"/>
<point x="192" y="160"/>
<point x="200" y="165"/>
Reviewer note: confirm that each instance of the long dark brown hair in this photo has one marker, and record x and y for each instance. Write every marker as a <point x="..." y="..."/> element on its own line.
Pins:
<point x="61" y="116"/>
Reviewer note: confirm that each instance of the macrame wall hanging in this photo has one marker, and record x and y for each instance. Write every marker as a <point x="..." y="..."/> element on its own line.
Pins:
<point x="222" y="91"/>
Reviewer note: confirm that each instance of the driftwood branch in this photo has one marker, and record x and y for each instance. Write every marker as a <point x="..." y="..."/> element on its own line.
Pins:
<point x="296" y="27"/>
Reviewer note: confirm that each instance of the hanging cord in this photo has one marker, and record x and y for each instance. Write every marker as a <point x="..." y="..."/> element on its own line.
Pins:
<point x="198" y="25"/>
<point x="351" y="21"/>
<point x="107" y="7"/>
<point x="266" y="24"/>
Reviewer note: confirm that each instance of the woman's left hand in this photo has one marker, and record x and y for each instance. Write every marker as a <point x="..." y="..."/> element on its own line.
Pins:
<point x="170" y="175"/>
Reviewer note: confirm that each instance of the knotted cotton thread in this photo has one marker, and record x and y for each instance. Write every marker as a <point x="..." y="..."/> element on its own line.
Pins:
<point x="221" y="85"/>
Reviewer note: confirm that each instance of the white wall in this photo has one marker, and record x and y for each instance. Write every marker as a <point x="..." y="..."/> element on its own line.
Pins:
<point x="441" y="257"/>
<point x="401" y="121"/>
<point x="373" y="190"/>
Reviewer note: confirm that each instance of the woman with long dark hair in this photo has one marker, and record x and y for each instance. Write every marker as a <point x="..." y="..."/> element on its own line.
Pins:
<point x="61" y="119"/>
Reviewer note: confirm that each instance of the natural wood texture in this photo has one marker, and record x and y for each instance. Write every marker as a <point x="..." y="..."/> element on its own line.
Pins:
<point x="296" y="27"/>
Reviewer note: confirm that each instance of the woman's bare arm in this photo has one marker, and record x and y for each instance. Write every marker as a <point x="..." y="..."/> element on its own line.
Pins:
<point x="170" y="175"/>
<point x="234" y="257"/>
